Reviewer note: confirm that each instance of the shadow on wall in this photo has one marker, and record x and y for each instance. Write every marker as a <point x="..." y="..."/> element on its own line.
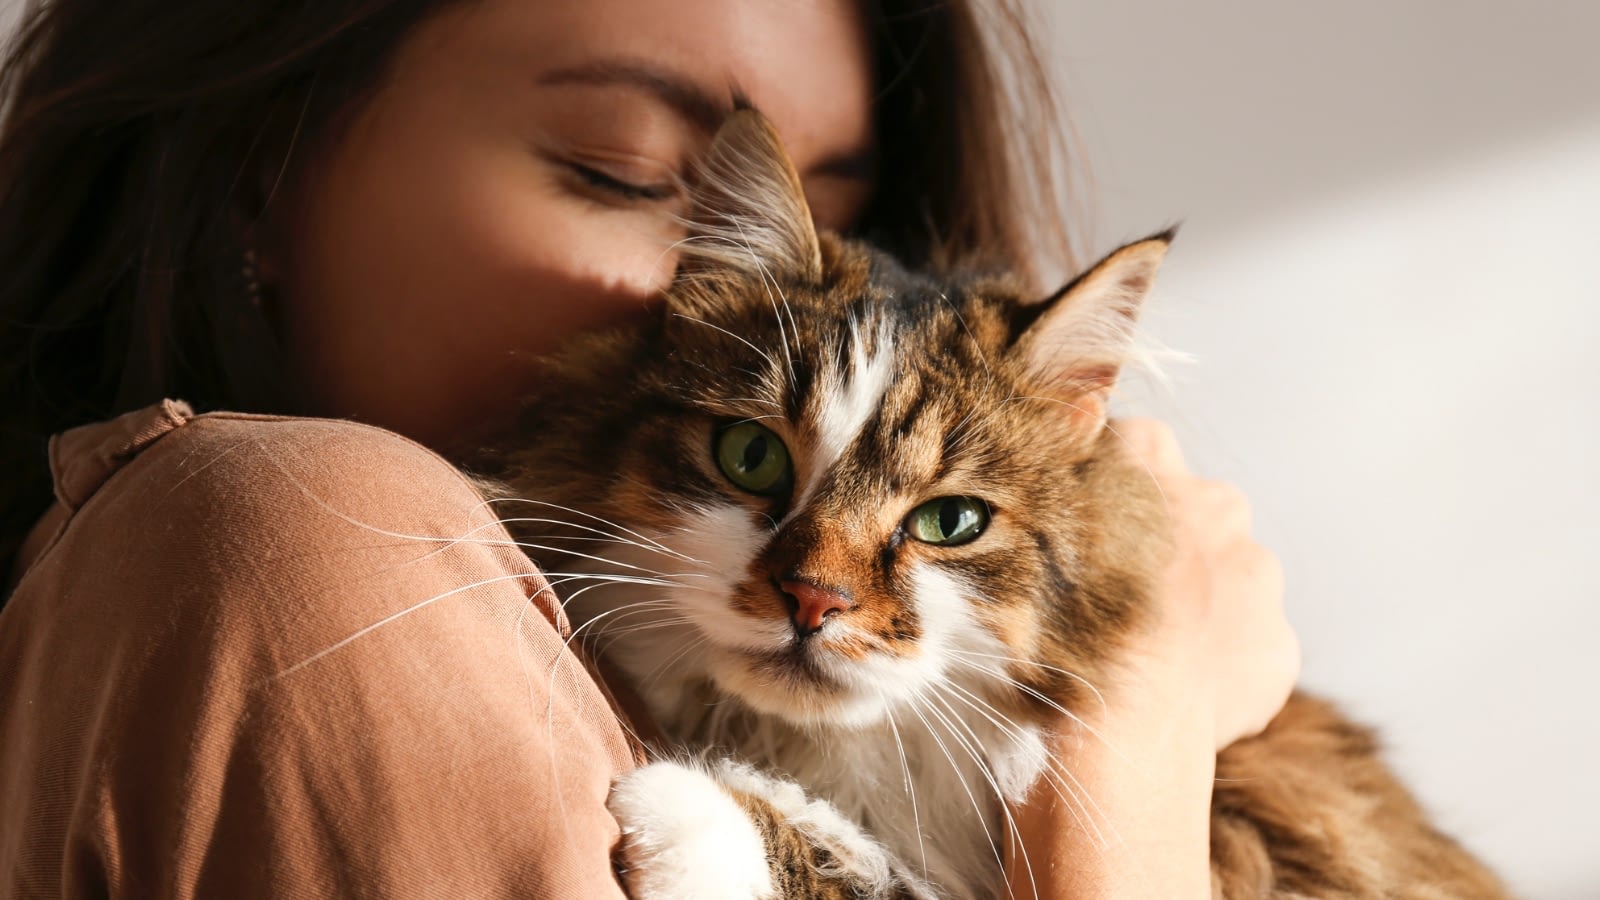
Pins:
<point x="1387" y="277"/>
<point x="1228" y="110"/>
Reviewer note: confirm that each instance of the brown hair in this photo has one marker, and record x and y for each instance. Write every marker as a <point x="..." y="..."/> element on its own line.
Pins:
<point x="136" y="134"/>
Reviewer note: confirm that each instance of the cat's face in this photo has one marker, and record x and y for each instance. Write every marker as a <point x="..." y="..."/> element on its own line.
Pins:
<point x="832" y="488"/>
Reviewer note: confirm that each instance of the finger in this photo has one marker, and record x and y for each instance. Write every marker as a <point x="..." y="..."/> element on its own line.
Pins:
<point x="1152" y="443"/>
<point x="1255" y="576"/>
<point x="1222" y="509"/>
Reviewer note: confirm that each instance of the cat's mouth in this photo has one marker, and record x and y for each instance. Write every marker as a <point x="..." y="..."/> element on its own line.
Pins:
<point x="797" y="663"/>
<point x="801" y="682"/>
<point x="810" y="670"/>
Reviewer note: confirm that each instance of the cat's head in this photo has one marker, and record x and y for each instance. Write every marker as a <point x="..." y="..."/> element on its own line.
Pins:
<point x="828" y="486"/>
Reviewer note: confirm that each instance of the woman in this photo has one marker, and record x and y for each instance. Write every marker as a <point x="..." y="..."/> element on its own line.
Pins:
<point x="226" y="667"/>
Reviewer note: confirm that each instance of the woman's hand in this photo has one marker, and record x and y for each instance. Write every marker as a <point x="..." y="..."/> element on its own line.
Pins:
<point x="1216" y="664"/>
<point x="1221" y="638"/>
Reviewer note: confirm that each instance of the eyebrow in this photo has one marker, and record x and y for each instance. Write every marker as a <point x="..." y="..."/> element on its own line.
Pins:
<point x="692" y="101"/>
<point x="688" y="98"/>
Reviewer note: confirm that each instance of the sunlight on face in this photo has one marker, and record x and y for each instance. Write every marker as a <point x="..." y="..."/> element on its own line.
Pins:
<point x="512" y="183"/>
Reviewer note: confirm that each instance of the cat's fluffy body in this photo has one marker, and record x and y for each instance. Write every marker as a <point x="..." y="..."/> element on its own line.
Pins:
<point x="920" y="700"/>
<point x="918" y="681"/>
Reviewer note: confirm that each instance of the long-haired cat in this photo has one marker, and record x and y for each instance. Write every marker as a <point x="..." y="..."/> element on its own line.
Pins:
<point x="858" y="537"/>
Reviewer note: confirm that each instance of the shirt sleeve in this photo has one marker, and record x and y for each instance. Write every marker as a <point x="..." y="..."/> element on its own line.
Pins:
<point x="290" y="657"/>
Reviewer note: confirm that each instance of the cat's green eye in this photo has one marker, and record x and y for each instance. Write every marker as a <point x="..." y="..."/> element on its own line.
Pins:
<point x="948" y="520"/>
<point x="753" y="458"/>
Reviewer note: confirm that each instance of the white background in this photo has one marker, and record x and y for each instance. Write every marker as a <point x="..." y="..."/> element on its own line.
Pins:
<point x="1389" y="277"/>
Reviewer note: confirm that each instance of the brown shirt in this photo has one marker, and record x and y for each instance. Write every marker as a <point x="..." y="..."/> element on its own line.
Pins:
<point x="252" y="656"/>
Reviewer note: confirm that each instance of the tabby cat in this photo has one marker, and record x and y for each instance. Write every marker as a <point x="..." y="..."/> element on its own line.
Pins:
<point x="857" y="536"/>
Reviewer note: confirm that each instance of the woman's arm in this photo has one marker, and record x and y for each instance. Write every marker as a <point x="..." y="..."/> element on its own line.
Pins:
<point x="1217" y="665"/>
<point x="295" y="658"/>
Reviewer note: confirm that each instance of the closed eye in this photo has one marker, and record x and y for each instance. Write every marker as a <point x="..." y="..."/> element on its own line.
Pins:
<point x="625" y="190"/>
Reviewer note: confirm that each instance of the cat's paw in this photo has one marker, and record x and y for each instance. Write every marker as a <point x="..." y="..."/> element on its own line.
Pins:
<point x="851" y="861"/>
<point x="685" y="838"/>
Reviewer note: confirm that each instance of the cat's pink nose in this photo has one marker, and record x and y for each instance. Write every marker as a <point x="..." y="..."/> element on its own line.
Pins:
<point x="811" y="604"/>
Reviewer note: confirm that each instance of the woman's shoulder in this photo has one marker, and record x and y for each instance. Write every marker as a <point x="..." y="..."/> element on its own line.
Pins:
<point x="307" y="529"/>
<point x="231" y="491"/>
<point x="165" y="456"/>
<point x="242" y="454"/>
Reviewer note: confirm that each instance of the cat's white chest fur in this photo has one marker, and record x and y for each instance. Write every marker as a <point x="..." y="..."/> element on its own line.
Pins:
<point x="927" y="784"/>
<point x="917" y="756"/>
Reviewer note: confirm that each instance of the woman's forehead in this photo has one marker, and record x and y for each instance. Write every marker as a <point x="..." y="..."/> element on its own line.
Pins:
<point x="806" y="63"/>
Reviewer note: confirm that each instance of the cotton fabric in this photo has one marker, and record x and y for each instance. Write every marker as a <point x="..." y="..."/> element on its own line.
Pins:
<point x="252" y="656"/>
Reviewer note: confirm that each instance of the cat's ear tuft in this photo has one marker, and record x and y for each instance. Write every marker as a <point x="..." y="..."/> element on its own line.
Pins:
<point x="1074" y="343"/>
<point x="749" y="211"/>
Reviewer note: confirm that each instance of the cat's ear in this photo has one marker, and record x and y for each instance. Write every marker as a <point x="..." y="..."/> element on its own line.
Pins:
<point x="749" y="213"/>
<point x="1075" y="342"/>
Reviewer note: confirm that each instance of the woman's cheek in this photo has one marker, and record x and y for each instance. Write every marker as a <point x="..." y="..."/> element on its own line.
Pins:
<point x="583" y="265"/>
<point x="519" y="289"/>
<point x="416" y="308"/>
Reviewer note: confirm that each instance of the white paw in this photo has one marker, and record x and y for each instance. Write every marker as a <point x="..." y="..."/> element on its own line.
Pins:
<point x="855" y="855"/>
<point x="685" y="838"/>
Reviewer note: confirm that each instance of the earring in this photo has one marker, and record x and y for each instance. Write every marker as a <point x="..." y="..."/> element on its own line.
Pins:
<point x="252" y="279"/>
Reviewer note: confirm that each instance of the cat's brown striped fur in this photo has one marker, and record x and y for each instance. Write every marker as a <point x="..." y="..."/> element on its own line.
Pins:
<point x="992" y="394"/>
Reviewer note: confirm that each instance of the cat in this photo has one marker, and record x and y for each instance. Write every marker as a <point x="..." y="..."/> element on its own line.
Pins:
<point x="858" y="537"/>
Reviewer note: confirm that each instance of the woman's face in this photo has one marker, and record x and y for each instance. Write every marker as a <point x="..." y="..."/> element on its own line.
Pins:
<point x="511" y="183"/>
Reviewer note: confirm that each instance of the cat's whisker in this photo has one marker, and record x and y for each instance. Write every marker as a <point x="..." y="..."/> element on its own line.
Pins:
<point x="951" y="727"/>
<point x="608" y="639"/>
<point x="942" y="695"/>
<point x="654" y="624"/>
<point x="600" y="640"/>
<point x="918" y="703"/>
<point x="962" y="320"/>
<point x="445" y="542"/>
<point x="959" y="433"/>
<point x="761" y="400"/>
<point x="1080" y="802"/>
<point x="1047" y="701"/>
<point x="742" y="244"/>
<point x="988" y="774"/>
<point x="568" y="554"/>
<point x="1089" y="817"/>
<point x="984" y="708"/>
<point x="394" y="617"/>
<point x="770" y="284"/>
<point x="910" y="785"/>
<point x="1019" y="398"/>
<point x="1133" y="455"/>
<point x="1099" y="697"/>
<point x="1085" y="809"/>
<point x="565" y="657"/>
<point x="603" y="521"/>
<point x="758" y="376"/>
<point x="764" y="355"/>
<point x="583" y="538"/>
<point x="688" y="647"/>
<point x="600" y="580"/>
<point x="449" y="542"/>
<point x="556" y="578"/>
<point x="594" y="534"/>
<point x="573" y="599"/>
<point x="554" y="774"/>
<point x="591" y="625"/>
